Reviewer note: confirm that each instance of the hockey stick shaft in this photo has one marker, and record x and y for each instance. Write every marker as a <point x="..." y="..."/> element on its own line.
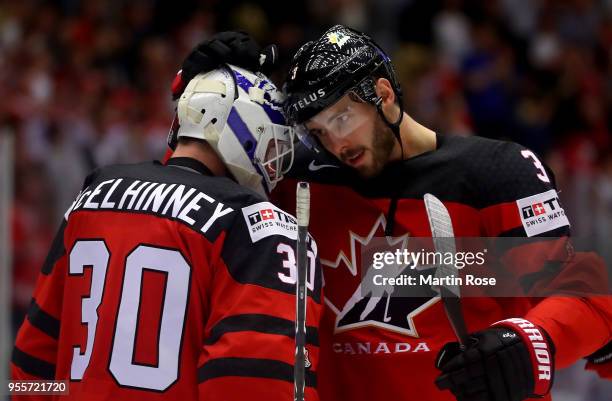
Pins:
<point x="452" y="307"/>
<point x="303" y="217"/>
<point x="444" y="241"/>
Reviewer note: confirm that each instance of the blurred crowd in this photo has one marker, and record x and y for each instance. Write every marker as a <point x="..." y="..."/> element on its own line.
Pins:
<point x="86" y="83"/>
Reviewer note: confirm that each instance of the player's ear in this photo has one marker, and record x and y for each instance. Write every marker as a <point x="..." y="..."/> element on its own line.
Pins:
<point x="384" y="90"/>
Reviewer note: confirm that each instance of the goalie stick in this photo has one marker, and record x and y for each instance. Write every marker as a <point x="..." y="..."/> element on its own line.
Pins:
<point x="303" y="217"/>
<point x="444" y="241"/>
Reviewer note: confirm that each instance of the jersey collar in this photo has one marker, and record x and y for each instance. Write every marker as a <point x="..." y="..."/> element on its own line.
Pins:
<point x="188" y="163"/>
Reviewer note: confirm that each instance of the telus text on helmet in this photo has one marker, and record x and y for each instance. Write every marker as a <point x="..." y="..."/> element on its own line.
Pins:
<point x="305" y="101"/>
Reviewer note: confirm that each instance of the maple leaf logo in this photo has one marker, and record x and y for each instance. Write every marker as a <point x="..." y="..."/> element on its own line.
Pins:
<point x="360" y="307"/>
<point x="337" y="38"/>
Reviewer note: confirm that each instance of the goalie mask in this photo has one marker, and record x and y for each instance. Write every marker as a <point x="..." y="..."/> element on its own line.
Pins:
<point x="239" y="114"/>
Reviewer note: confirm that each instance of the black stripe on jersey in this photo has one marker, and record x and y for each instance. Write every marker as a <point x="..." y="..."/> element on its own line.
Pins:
<point x="516" y="238"/>
<point x="32" y="365"/>
<point x="43" y="321"/>
<point x="261" y="324"/>
<point x="251" y="367"/>
<point x="56" y="252"/>
<point x="519" y="232"/>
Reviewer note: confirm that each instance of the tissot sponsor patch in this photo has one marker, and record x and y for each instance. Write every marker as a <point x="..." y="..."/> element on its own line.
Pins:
<point x="263" y="219"/>
<point x="541" y="213"/>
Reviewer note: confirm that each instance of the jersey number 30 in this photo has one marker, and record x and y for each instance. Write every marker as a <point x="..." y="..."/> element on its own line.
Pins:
<point x="289" y="263"/>
<point x="95" y="254"/>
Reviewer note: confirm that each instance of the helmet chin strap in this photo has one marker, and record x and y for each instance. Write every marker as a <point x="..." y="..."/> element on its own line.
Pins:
<point x="395" y="126"/>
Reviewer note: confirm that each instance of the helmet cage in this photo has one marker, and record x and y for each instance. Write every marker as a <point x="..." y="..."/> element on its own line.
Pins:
<point x="273" y="156"/>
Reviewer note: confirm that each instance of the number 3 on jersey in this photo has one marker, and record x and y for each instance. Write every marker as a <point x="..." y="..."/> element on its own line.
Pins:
<point x="528" y="154"/>
<point x="95" y="254"/>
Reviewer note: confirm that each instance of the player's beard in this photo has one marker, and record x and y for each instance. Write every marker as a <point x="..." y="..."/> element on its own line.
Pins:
<point x="383" y="142"/>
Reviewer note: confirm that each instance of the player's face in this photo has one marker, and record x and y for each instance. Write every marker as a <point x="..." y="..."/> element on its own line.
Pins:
<point x="353" y="131"/>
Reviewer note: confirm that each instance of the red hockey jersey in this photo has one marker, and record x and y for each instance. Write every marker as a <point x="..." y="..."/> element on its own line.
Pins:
<point x="167" y="283"/>
<point x="384" y="348"/>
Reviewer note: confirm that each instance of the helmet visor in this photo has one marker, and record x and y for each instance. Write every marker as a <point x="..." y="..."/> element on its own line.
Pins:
<point x="333" y="123"/>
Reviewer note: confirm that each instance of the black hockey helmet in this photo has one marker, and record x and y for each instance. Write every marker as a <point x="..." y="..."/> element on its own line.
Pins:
<point x="342" y="60"/>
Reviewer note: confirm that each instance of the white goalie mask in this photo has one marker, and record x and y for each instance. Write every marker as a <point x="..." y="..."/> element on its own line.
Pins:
<point x="239" y="114"/>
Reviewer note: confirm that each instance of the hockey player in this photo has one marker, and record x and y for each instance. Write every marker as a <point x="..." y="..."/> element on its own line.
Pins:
<point x="369" y="172"/>
<point x="177" y="281"/>
<point x="344" y="95"/>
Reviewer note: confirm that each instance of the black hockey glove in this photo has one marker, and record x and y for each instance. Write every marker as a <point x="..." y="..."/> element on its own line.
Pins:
<point x="510" y="361"/>
<point x="237" y="48"/>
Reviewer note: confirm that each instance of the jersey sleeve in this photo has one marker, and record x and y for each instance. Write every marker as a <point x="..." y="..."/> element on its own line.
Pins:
<point x="35" y="351"/>
<point x="524" y="203"/>
<point x="249" y="346"/>
<point x="519" y="196"/>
